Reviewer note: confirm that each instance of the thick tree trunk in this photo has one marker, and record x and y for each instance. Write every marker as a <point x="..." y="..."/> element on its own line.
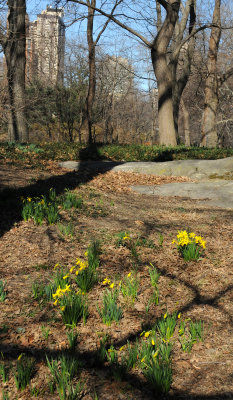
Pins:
<point x="209" y="136"/>
<point x="183" y="55"/>
<point x="92" y="70"/>
<point x="167" y="132"/>
<point x="14" y="49"/>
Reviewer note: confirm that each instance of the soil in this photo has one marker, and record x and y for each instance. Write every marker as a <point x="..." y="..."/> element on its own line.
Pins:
<point x="198" y="290"/>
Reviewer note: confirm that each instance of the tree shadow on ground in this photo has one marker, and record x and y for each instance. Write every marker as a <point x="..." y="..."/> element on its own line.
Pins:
<point x="10" y="213"/>
<point x="10" y="197"/>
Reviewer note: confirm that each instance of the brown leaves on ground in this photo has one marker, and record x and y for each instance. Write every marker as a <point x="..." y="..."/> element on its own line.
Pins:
<point x="120" y="182"/>
<point x="199" y="290"/>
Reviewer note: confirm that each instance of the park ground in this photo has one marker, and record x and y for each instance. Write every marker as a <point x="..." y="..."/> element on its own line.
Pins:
<point x="197" y="290"/>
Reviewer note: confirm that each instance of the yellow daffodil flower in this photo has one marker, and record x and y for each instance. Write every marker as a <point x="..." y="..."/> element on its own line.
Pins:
<point x="106" y="281"/>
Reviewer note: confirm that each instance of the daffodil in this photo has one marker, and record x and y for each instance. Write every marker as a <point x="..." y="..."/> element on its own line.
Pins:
<point x="106" y="281"/>
<point x="126" y="237"/>
<point x="67" y="289"/>
<point x="147" y="334"/>
<point x="111" y="286"/>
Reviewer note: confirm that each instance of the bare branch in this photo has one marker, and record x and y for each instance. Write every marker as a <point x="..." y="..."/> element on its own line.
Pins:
<point x="119" y="23"/>
<point x="223" y="78"/>
<point x="159" y="15"/>
<point x="163" y="3"/>
<point x="107" y="22"/>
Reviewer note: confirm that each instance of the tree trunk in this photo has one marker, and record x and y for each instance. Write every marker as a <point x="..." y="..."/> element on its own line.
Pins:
<point x="185" y="55"/>
<point x="186" y="123"/>
<point x="14" y="50"/>
<point x="92" y="70"/>
<point x="209" y="129"/>
<point x="167" y="132"/>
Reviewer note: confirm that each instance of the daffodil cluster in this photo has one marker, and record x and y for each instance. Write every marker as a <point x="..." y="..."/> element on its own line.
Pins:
<point x="189" y="245"/>
<point x="129" y="286"/>
<point x="107" y="281"/>
<point x="85" y="273"/>
<point x="184" y="239"/>
<point x="60" y="293"/>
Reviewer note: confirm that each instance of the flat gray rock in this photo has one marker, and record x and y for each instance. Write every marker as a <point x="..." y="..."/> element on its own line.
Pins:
<point x="214" y="178"/>
<point x="214" y="193"/>
<point x="195" y="169"/>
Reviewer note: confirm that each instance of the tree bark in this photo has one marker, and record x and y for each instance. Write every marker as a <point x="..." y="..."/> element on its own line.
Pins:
<point x="167" y="132"/>
<point x="185" y="123"/>
<point x="14" y="44"/>
<point x="181" y="75"/>
<point x="209" y="137"/>
<point x="92" y="69"/>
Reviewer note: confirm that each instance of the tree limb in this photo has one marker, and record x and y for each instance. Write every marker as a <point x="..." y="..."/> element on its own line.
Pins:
<point x="119" y="23"/>
<point x="223" y="77"/>
<point x="163" y="3"/>
<point x="107" y="22"/>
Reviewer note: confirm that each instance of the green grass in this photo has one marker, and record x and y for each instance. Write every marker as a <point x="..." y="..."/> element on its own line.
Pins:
<point x="134" y="152"/>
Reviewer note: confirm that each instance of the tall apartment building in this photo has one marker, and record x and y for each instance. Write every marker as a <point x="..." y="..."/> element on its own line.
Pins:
<point x="45" y="47"/>
<point x="118" y="75"/>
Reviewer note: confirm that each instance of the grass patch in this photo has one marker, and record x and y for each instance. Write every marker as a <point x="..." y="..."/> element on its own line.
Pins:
<point x="35" y="153"/>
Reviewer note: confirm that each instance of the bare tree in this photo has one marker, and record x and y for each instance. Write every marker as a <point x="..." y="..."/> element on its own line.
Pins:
<point x="165" y="66"/>
<point x="209" y="128"/>
<point x="92" y="43"/>
<point x="213" y="83"/>
<point x="13" y="42"/>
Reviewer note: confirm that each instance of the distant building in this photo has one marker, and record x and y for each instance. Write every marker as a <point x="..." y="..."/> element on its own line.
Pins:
<point x="45" y="47"/>
<point x="118" y="75"/>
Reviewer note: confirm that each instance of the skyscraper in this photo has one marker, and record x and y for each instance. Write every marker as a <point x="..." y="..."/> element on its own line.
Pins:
<point x="45" y="46"/>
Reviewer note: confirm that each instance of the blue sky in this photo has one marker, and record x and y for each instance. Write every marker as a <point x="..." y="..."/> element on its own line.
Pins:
<point x="35" y="7"/>
<point x="110" y="41"/>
